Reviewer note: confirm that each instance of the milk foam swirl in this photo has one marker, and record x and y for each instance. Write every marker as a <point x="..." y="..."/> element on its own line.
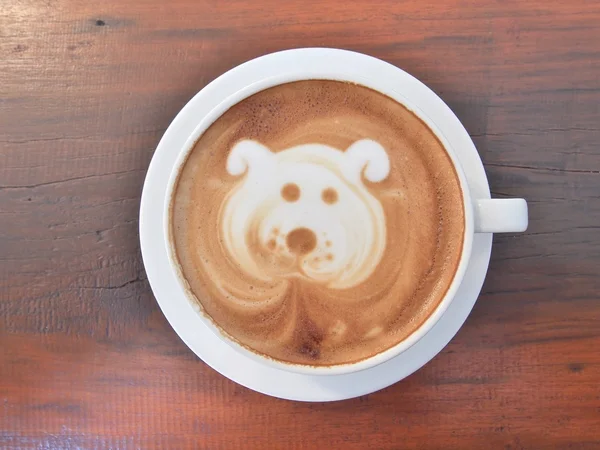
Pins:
<point x="336" y="242"/>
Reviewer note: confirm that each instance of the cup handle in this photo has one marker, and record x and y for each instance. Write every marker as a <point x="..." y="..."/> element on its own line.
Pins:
<point x="500" y="215"/>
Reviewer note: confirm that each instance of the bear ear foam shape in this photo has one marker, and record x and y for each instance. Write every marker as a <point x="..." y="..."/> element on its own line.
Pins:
<point x="247" y="154"/>
<point x="368" y="157"/>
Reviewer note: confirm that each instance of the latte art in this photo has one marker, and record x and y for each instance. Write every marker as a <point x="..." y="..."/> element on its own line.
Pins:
<point x="293" y="213"/>
<point x="317" y="222"/>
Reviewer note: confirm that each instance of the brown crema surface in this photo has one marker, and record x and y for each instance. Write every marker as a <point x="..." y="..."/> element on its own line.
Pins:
<point x="294" y="319"/>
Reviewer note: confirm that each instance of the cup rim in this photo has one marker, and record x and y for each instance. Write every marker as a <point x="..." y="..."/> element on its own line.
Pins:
<point x="336" y="74"/>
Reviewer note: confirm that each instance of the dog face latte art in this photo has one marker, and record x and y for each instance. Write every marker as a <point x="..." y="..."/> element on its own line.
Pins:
<point x="318" y="222"/>
<point x="294" y="213"/>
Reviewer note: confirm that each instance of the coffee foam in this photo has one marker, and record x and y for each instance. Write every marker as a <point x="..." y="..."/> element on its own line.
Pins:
<point x="318" y="222"/>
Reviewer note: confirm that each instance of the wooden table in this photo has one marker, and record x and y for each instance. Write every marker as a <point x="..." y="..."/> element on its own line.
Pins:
<point x="87" y="359"/>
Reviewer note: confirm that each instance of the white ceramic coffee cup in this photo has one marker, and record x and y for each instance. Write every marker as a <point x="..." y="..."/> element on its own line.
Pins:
<point x="481" y="215"/>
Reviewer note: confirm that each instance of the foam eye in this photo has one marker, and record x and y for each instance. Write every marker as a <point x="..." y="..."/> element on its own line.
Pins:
<point x="290" y="192"/>
<point x="329" y="196"/>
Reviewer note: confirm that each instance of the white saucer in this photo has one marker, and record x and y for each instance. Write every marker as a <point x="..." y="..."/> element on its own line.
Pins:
<point x="181" y="314"/>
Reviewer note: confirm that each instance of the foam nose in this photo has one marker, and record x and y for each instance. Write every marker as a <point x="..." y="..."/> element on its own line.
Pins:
<point x="301" y="241"/>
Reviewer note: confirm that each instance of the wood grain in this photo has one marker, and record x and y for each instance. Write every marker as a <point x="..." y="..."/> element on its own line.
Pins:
<point x="86" y="90"/>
